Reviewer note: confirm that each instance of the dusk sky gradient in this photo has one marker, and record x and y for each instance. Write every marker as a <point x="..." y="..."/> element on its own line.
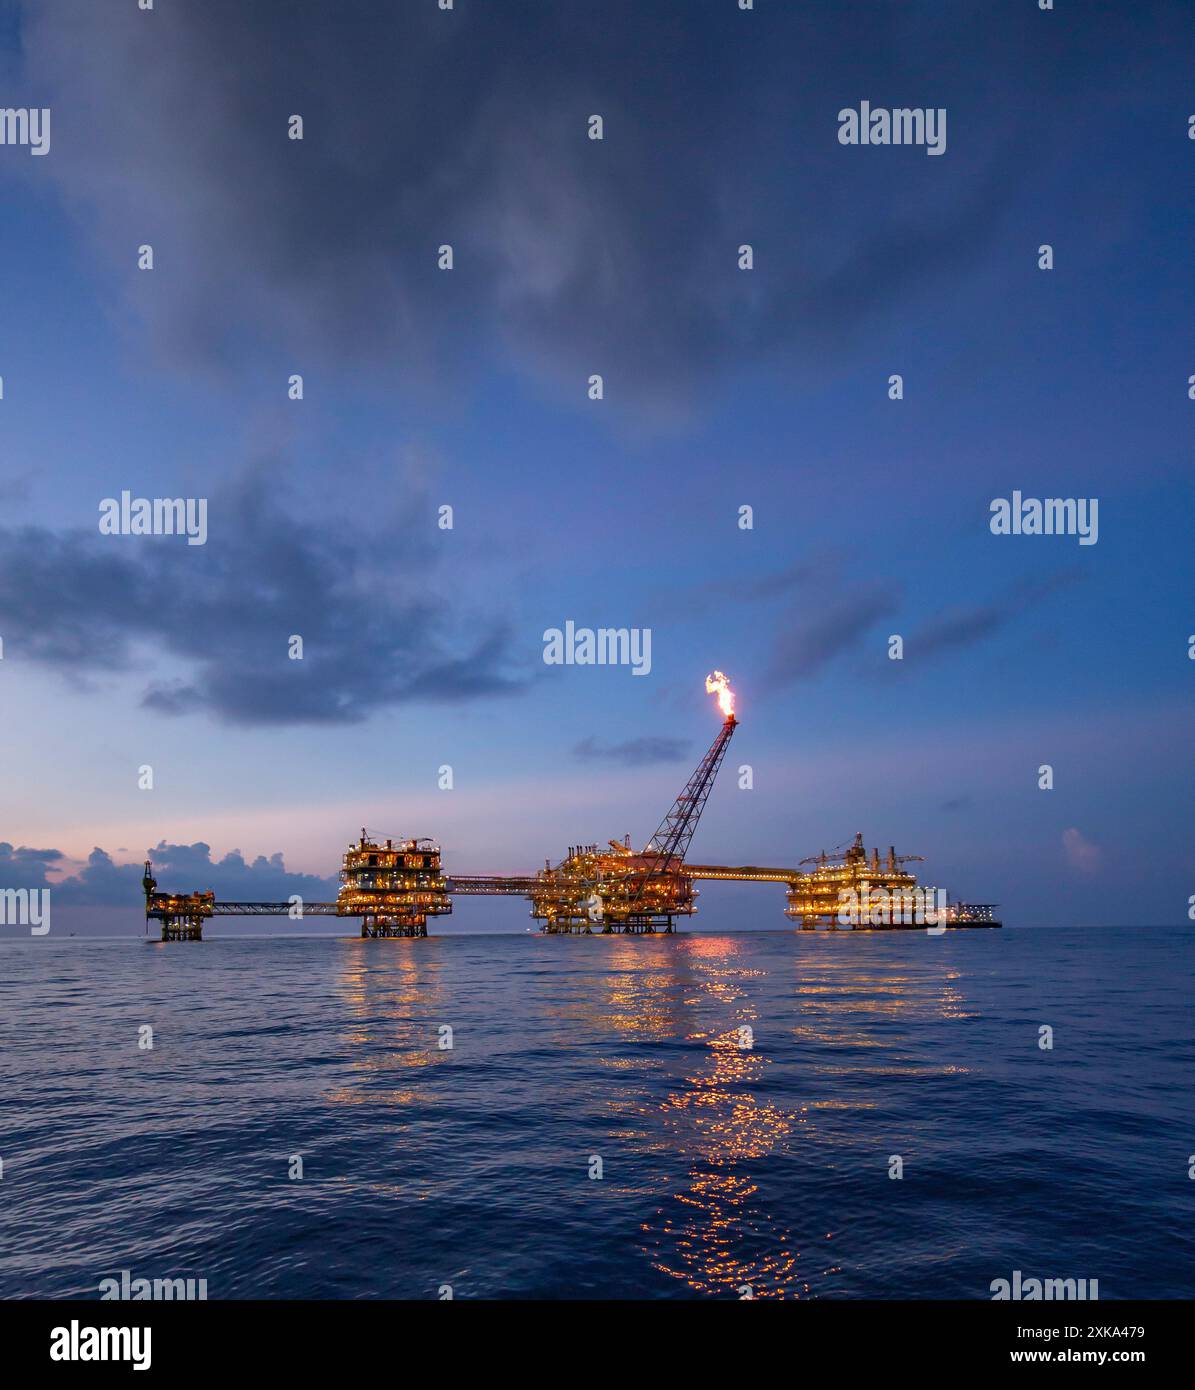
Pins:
<point x="722" y="388"/>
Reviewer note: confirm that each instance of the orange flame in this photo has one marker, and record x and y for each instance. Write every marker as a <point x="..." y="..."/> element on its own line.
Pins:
<point x="719" y="685"/>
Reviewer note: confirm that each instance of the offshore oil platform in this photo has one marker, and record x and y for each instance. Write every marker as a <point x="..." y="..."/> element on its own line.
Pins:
<point x="394" y="886"/>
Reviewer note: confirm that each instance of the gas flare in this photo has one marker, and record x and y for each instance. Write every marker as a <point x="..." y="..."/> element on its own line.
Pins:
<point x="718" y="684"/>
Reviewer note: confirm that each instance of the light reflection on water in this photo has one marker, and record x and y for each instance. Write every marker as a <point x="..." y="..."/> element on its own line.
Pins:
<point x="708" y="1233"/>
<point x="725" y="1166"/>
<point x="387" y="985"/>
<point x="715" y="1234"/>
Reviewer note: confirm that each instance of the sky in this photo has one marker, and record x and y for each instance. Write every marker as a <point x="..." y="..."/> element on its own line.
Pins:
<point x="723" y="388"/>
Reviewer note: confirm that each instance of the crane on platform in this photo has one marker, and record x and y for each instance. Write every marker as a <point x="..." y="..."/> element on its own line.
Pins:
<point x="394" y="885"/>
<point x="619" y="890"/>
<point x="668" y="846"/>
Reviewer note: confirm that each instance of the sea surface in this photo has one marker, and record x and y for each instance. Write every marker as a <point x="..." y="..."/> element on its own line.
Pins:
<point x="728" y="1159"/>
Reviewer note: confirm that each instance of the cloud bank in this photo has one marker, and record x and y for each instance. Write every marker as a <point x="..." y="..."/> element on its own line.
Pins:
<point x="104" y="883"/>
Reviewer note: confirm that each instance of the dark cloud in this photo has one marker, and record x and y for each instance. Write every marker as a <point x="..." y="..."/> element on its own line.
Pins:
<point x="821" y="610"/>
<point x="778" y="585"/>
<point x="958" y="627"/>
<point x="26" y="868"/>
<point x="81" y="602"/>
<point x="833" y="615"/>
<point x="469" y="127"/>
<point x="823" y="613"/>
<point x="963" y="627"/>
<point x="233" y="877"/>
<point x="697" y="600"/>
<point x="102" y="883"/>
<point x="635" y="752"/>
<point x="823" y="627"/>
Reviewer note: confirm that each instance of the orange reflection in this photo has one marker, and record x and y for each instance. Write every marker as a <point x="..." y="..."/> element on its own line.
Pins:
<point x="716" y="1234"/>
<point x="390" y="987"/>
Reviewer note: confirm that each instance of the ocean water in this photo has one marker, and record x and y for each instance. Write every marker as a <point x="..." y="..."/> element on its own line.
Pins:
<point x="722" y="1165"/>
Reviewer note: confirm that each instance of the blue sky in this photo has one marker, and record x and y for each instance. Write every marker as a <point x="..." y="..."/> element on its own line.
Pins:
<point x="723" y="388"/>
